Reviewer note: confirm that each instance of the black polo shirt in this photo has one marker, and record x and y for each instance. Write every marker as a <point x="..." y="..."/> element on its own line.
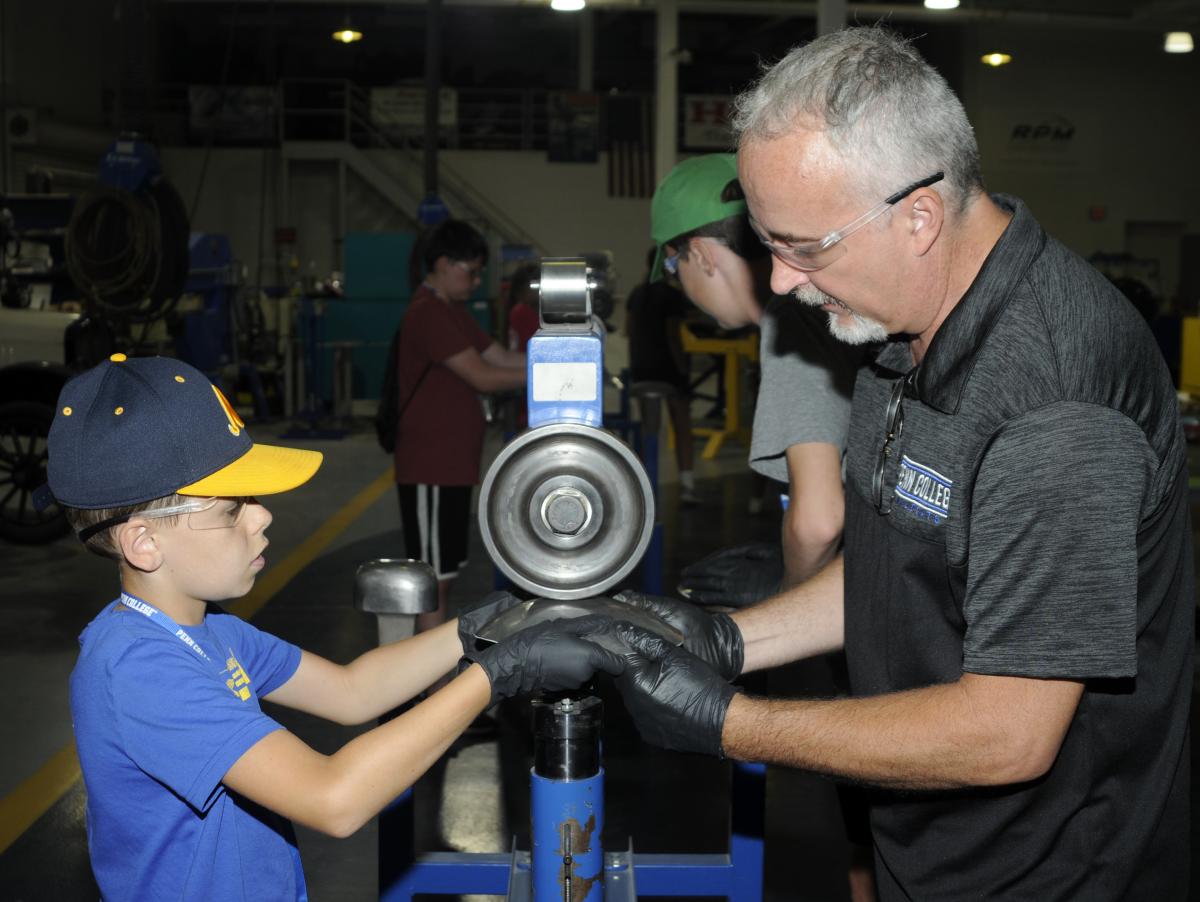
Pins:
<point x="1036" y="525"/>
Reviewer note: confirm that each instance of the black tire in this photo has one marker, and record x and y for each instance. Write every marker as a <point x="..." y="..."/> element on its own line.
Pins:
<point x="24" y="426"/>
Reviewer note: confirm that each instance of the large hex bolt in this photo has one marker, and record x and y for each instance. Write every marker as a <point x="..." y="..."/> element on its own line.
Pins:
<point x="566" y="511"/>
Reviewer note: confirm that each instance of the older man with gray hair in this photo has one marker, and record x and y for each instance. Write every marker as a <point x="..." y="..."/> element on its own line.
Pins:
<point x="1016" y="592"/>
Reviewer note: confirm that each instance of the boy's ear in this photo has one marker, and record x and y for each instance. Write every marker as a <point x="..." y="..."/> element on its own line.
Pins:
<point x="139" y="546"/>
<point x="699" y="249"/>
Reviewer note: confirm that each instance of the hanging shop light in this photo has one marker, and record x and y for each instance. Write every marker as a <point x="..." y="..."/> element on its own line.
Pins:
<point x="941" y="4"/>
<point x="568" y="6"/>
<point x="1178" y="42"/>
<point x="347" y="34"/>
<point x="996" y="59"/>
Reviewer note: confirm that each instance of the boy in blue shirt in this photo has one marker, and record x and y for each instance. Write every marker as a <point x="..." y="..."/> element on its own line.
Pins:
<point x="191" y="787"/>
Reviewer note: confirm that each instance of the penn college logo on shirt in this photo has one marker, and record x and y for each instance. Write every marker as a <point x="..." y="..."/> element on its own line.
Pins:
<point x="238" y="682"/>
<point x="923" y="491"/>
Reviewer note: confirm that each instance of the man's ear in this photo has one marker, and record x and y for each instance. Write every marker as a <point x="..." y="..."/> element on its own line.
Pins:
<point x="927" y="216"/>
<point x="139" y="546"/>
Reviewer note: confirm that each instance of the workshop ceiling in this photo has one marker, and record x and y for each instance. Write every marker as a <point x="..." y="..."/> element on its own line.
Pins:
<point x="516" y="44"/>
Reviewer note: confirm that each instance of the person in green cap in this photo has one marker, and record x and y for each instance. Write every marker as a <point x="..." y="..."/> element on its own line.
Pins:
<point x="700" y="225"/>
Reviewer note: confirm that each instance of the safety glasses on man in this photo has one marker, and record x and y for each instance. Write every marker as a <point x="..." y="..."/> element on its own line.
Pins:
<point x="813" y="255"/>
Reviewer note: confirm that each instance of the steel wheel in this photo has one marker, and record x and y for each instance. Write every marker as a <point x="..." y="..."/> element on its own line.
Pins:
<point x="24" y="426"/>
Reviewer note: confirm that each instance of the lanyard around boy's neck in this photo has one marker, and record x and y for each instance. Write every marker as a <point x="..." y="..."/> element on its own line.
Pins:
<point x="163" y="620"/>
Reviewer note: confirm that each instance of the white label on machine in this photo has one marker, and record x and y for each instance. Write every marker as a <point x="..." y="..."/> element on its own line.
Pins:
<point x="564" y="382"/>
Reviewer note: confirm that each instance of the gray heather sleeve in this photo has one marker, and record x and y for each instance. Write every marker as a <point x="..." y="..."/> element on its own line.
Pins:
<point x="807" y="383"/>
<point x="1052" y="563"/>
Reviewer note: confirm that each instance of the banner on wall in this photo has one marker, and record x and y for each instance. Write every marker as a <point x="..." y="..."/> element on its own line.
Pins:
<point x="706" y="121"/>
<point x="237" y="114"/>
<point x="1041" y="139"/>
<point x="404" y="107"/>
<point x="630" y="147"/>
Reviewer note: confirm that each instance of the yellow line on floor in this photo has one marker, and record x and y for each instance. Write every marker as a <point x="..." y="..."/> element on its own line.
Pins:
<point x="37" y="793"/>
<point x="29" y="801"/>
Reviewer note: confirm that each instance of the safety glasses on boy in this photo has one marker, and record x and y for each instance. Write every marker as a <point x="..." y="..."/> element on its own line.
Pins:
<point x="197" y="513"/>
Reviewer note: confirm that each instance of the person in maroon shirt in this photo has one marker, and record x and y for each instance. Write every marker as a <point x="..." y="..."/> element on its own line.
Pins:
<point x="445" y="362"/>
<point x="523" y="321"/>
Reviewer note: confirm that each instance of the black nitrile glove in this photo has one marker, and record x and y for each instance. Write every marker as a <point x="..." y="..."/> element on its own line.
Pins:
<point x="471" y="620"/>
<point x="737" y="577"/>
<point x="676" y="700"/>
<point x="711" y="636"/>
<point x="552" y="656"/>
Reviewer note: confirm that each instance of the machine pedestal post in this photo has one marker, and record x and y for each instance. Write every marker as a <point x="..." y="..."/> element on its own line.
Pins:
<point x="567" y="801"/>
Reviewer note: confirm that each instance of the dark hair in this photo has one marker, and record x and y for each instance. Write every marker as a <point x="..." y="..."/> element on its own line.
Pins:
<point x="734" y="232"/>
<point x="454" y="239"/>
<point x="521" y="279"/>
<point x="102" y="543"/>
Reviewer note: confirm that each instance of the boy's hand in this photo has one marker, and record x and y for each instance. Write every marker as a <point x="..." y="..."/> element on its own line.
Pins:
<point x="736" y="577"/>
<point x="551" y="656"/>
<point x="472" y="619"/>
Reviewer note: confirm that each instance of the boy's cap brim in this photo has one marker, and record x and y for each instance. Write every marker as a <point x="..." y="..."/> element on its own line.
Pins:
<point x="263" y="470"/>
<point x="690" y="197"/>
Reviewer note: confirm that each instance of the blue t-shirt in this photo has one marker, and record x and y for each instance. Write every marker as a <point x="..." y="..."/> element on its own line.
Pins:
<point x="157" y="728"/>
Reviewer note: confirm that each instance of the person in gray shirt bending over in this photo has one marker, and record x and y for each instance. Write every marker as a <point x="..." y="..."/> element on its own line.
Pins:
<point x="1016" y="595"/>
<point x="698" y="221"/>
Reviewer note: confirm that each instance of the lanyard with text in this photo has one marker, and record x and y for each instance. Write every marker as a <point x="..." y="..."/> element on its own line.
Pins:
<point x="149" y="610"/>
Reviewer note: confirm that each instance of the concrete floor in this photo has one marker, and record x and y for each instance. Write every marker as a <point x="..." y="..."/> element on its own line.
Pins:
<point x="476" y="799"/>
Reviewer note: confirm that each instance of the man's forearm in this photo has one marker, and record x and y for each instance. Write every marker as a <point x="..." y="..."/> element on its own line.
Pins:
<point x="801" y="622"/>
<point x="978" y="731"/>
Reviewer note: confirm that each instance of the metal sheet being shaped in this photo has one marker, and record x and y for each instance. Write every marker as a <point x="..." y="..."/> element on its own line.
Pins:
<point x="537" y="610"/>
<point x="566" y="511"/>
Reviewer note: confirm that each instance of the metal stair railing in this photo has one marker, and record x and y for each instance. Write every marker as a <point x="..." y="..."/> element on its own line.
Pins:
<point x="342" y="111"/>
<point x="475" y="206"/>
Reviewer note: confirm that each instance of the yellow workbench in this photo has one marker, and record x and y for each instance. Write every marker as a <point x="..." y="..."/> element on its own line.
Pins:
<point x="735" y="351"/>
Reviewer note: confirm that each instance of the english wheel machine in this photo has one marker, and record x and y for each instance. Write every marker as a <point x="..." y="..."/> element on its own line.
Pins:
<point x="566" y="512"/>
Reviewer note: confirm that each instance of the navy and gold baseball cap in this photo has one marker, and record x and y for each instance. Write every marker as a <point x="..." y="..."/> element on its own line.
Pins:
<point x="134" y="429"/>
<point x="690" y="197"/>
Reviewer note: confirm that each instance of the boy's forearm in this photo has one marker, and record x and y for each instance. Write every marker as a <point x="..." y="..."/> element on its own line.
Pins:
<point x="800" y="622"/>
<point x="387" y="676"/>
<point x="374" y="768"/>
<point x="338" y="793"/>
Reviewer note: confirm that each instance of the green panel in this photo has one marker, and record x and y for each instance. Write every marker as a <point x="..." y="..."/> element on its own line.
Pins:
<point x="377" y="263"/>
<point x="369" y="323"/>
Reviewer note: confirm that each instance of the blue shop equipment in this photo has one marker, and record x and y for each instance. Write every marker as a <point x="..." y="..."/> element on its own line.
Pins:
<point x="206" y="340"/>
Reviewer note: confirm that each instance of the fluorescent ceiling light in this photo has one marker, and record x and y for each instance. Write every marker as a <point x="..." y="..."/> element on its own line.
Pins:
<point x="1178" y="42"/>
<point x="941" y="4"/>
<point x="996" y="59"/>
<point x="567" y="6"/>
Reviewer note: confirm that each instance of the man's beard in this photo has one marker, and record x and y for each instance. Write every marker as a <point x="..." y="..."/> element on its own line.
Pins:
<point x="860" y="330"/>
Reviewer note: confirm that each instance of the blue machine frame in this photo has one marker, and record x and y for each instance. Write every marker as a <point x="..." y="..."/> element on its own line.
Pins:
<point x="565" y="367"/>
